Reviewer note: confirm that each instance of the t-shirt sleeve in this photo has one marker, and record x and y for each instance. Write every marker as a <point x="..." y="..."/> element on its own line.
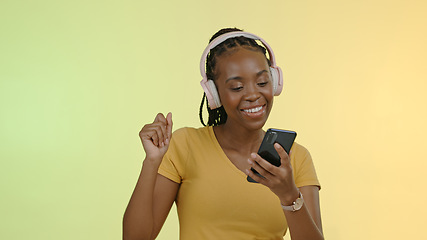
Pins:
<point x="303" y="167"/>
<point x="173" y="163"/>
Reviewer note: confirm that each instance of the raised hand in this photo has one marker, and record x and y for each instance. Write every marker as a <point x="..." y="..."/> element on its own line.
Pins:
<point x="156" y="136"/>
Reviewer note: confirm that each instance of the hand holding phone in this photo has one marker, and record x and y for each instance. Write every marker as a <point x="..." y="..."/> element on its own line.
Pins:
<point x="267" y="151"/>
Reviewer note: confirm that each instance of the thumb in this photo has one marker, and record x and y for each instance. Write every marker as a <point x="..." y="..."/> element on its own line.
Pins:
<point x="169" y="125"/>
<point x="284" y="157"/>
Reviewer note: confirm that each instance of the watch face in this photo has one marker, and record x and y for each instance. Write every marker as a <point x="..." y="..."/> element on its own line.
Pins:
<point x="298" y="204"/>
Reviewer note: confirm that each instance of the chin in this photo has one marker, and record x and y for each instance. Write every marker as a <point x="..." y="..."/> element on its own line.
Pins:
<point x="256" y="120"/>
<point x="255" y="124"/>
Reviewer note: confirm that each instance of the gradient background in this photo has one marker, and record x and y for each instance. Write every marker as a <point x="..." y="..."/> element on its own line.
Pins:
<point x="79" y="79"/>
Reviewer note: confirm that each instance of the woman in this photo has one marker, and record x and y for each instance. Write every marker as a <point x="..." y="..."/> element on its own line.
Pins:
<point x="204" y="170"/>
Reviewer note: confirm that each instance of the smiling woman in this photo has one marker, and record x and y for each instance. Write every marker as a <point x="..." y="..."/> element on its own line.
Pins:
<point x="204" y="170"/>
<point x="245" y="88"/>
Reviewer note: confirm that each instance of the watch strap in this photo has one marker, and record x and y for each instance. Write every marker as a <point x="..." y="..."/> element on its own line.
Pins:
<point x="296" y="205"/>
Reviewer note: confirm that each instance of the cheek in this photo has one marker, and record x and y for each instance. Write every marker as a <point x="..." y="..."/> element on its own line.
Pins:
<point x="268" y="92"/>
<point x="230" y="100"/>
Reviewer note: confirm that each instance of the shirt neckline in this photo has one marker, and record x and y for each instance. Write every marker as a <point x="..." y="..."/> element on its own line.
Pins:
<point x="222" y="153"/>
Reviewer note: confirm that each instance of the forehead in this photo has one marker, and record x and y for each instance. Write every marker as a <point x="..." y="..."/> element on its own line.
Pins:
<point x="241" y="62"/>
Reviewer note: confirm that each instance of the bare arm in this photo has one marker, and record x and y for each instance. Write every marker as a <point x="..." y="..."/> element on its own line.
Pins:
<point x="149" y="205"/>
<point x="154" y="194"/>
<point x="312" y="202"/>
<point x="306" y="223"/>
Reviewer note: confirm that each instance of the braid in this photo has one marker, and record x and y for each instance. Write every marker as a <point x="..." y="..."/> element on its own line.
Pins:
<point x="218" y="116"/>
<point x="200" y="110"/>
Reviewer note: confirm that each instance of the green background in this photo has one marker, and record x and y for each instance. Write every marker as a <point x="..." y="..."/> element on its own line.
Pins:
<point x="79" y="79"/>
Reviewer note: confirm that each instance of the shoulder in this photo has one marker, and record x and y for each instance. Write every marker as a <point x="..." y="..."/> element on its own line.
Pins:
<point x="299" y="150"/>
<point x="303" y="166"/>
<point x="183" y="142"/>
<point x="300" y="157"/>
<point x="190" y="132"/>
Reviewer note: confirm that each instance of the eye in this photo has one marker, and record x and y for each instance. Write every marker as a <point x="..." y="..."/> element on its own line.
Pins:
<point x="262" y="84"/>
<point x="236" y="89"/>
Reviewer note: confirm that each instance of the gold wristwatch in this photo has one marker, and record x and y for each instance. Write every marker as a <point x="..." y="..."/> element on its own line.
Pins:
<point x="296" y="205"/>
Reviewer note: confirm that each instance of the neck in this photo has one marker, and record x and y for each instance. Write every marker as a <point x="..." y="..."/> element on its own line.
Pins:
<point x="238" y="138"/>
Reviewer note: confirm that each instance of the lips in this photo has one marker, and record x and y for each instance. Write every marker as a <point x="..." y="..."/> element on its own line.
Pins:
<point x="254" y="111"/>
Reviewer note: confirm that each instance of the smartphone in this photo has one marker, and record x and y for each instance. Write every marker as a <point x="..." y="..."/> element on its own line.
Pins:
<point x="267" y="151"/>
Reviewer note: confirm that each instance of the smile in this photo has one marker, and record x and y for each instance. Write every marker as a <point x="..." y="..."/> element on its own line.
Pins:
<point x="253" y="110"/>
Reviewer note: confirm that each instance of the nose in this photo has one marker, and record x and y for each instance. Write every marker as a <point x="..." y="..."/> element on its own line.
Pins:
<point x="252" y="93"/>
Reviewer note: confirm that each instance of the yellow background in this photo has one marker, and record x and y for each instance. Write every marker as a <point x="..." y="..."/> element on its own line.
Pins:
<point x="79" y="79"/>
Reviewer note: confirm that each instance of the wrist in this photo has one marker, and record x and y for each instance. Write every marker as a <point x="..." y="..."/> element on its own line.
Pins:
<point x="289" y="198"/>
<point x="296" y="205"/>
<point x="151" y="163"/>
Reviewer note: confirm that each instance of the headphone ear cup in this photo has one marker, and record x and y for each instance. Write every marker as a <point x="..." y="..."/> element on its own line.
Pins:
<point x="215" y="102"/>
<point x="211" y="93"/>
<point x="277" y="78"/>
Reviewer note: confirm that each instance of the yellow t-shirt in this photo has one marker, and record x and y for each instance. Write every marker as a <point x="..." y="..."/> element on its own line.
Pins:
<point x="214" y="200"/>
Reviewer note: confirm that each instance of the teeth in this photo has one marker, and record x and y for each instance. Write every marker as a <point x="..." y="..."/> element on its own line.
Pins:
<point x="252" y="110"/>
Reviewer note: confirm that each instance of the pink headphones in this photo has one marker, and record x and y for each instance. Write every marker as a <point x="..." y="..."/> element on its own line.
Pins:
<point x="209" y="85"/>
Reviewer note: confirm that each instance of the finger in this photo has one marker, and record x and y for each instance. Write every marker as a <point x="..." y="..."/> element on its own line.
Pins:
<point x="160" y="118"/>
<point x="169" y="125"/>
<point x="164" y="136"/>
<point x="260" y="165"/>
<point x="149" y="134"/>
<point x="257" y="177"/>
<point x="154" y="132"/>
<point x="155" y="138"/>
<point x="160" y="132"/>
<point x="284" y="157"/>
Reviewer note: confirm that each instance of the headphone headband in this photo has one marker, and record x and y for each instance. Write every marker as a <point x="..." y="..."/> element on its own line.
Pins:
<point x="229" y="35"/>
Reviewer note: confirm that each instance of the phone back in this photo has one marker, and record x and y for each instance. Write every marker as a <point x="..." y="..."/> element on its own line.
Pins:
<point x="267" y="151"/>
<point x="284" y="137"/>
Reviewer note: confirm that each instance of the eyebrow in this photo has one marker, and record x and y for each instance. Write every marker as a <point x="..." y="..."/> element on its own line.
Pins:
<point x="239" y="78"/>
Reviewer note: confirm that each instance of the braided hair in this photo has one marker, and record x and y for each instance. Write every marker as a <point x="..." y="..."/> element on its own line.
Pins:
<point x="218" y="116"/>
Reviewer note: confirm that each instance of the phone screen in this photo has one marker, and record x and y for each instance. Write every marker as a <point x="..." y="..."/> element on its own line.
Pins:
<point x="267" y="151"/>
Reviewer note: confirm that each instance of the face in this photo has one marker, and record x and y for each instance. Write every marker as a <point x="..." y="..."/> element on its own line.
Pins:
<point x="245" y="87"/>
